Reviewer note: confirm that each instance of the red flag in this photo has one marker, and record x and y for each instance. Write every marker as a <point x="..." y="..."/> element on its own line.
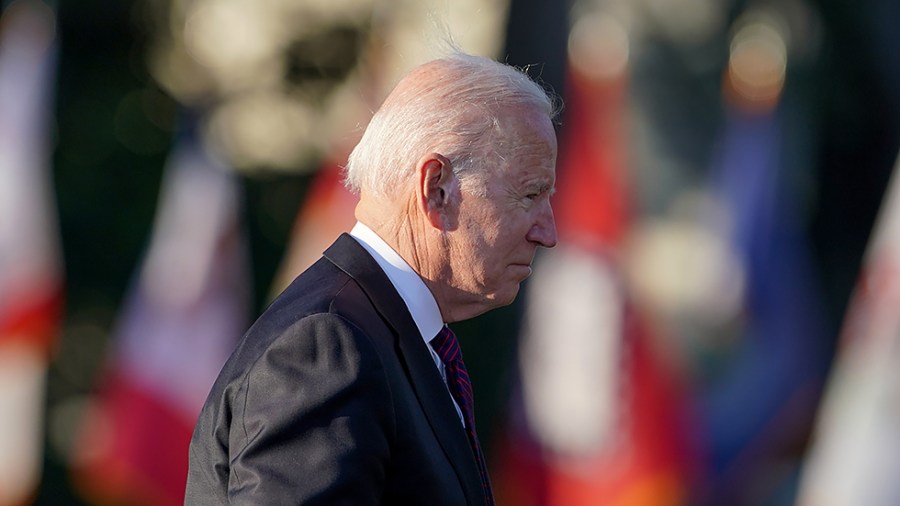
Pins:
<point x="184" y="314"/>
<point x="30" y="261"/>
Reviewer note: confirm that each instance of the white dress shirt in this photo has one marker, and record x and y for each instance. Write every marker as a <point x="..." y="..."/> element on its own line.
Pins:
<point x="417" y="297"/>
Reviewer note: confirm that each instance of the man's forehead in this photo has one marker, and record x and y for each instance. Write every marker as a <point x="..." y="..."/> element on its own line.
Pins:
<point x="533" y="168"/>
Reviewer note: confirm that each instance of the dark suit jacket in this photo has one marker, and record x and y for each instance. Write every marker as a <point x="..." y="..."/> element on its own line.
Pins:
<point x="332" y="397"/>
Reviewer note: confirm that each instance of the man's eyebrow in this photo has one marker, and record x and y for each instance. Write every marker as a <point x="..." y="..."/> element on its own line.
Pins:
<point x="542" y="186"/>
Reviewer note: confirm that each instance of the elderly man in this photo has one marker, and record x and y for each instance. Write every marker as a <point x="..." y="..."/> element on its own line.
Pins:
<point x="350" y="388"/>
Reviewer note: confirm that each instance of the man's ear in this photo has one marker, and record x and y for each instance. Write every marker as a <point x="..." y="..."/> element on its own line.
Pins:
<point x="436" y="188"/>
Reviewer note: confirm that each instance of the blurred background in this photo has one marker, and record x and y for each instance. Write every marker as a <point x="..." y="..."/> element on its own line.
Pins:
<point x="718" y="325"/>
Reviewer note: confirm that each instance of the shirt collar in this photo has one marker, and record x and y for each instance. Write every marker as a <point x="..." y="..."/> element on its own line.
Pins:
<point x="418" y="298"/>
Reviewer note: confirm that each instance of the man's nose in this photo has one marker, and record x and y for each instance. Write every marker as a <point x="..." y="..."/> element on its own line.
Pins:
<point x="543" y="231"/>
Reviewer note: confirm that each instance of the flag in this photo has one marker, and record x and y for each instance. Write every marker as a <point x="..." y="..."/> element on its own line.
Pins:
<point x="763" y="349"/>
<point x="185" y="311"/>
<point x="738" y="282"/>
<point x="31" y="278"/>
<point x="855" y="453"/>
<point x="765" y="362"/>
<point x="597" y="415"/>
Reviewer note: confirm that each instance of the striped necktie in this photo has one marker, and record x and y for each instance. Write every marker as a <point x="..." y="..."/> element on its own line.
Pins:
<point x="447" y="347"/>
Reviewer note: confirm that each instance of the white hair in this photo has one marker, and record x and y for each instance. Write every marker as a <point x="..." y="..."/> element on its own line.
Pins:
<point x="454" y="108"/>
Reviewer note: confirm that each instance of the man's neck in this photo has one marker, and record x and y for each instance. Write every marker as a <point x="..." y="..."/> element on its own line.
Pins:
<point x="411" y="236"/>
<point x="412" y="289"/>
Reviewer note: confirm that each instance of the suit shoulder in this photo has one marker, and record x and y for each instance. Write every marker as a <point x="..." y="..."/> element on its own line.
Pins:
<point x="320" y="368"/>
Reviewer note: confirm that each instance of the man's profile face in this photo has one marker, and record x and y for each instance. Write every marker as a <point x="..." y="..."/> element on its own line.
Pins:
<point x="492" y="249"/>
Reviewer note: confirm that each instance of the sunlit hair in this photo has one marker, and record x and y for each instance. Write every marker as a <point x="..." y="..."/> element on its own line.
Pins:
<point x="457" y="106"/>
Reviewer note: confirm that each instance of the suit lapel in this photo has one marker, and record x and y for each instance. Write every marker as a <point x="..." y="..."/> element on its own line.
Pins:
<point x="430" y="390"/>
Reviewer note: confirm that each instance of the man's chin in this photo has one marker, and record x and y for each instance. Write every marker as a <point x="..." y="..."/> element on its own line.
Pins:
<point x="506" y="297"/>
<point x="494" y="300"/>
<point x="523" y="271"/>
